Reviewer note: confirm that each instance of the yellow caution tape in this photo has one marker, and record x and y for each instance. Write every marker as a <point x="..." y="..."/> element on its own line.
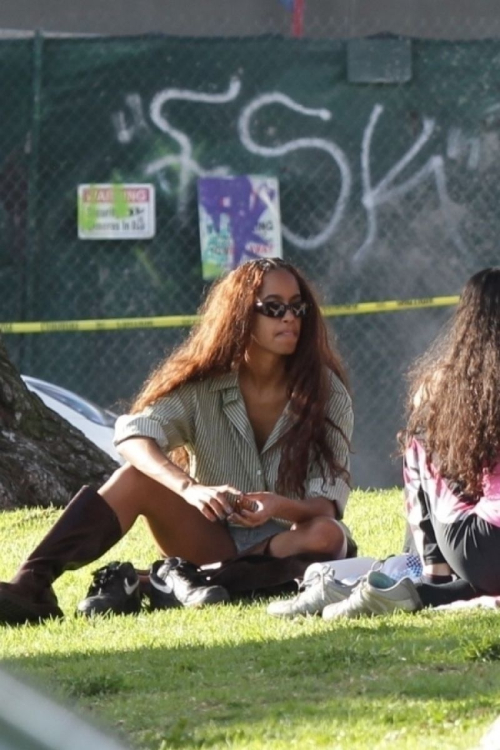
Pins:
<point x="180" y="321"/>
<point x="362" y="308"/>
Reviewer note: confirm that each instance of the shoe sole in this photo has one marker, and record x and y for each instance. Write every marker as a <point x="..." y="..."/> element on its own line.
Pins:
<point x="381" y="605"/>
<point x="304" y="612"/>
<point x="159" y="600"/>
<point x="211" y="597"/>
<point x="373" y="605"/>
<point x="352" y="614"/>
<point x="131" y="608"/>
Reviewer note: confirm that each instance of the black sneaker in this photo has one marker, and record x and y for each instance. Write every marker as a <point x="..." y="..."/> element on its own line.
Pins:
<point x="114" y="588"/>
<point x="176" y="582"/>
<point x="161" y="589"/>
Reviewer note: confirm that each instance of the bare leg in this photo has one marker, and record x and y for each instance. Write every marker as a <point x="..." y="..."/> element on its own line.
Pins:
<point x="178" y="528"/>
<point x="437" y="569"/>
<point x="320" y="535"/>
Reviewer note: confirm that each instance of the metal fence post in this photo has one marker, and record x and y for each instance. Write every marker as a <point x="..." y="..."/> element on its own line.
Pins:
<point x="32" y="244"/>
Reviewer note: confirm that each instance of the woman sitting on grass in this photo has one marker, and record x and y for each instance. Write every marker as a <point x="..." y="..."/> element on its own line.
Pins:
<point x="451" y="452"/>
<point x="258" y="399"/>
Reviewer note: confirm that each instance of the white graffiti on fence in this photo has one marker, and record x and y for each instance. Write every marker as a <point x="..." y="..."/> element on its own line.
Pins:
<point x="244" y="124"/>
<point x="126" y="133"/>
<point x="188" y="167"/>
<point x="460" y="146"/>
<point x="386" y="191"/>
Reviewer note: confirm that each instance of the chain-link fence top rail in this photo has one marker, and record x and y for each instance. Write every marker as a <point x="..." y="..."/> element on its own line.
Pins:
<point x="388" y="191"/>
<point x="332" y="19"/>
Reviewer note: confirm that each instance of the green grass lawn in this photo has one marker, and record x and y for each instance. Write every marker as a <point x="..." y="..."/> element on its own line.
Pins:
<point x="233" y="677"/>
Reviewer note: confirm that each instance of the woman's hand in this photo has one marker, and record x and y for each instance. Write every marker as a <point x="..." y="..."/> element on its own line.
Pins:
<point x="215" y="503"/>
<point x="255" y="509"/>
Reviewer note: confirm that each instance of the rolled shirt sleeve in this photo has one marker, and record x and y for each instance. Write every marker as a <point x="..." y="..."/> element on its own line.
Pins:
<point x="341" y="413"/>
<point x="169" y="421"/>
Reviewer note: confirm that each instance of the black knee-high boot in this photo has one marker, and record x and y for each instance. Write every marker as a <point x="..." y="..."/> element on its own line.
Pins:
<point x="87" y="528"/>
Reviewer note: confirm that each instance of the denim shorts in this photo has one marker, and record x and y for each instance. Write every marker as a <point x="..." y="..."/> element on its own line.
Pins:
<point x="245" y="538"/>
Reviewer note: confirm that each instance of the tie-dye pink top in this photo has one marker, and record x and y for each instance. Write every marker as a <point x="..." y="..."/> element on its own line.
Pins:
<point x="449" y="505"/>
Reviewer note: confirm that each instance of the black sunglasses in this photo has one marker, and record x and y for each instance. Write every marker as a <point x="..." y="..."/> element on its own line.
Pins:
<point x="279" y="309"/>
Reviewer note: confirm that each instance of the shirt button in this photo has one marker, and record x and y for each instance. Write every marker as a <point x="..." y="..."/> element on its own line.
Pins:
<point x="259" y="472"/>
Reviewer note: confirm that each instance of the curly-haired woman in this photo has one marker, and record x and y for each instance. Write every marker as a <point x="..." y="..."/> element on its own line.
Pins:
<point x="452" y="449"/>
<point x="451" y="465"/>
<point x="257" y="399"/>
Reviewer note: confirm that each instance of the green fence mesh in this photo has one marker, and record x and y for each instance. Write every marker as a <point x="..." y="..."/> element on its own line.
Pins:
<point x="386" y="151"/>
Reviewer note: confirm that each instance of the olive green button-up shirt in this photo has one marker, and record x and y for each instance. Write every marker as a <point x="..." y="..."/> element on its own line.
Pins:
<point x="209" y="419"/>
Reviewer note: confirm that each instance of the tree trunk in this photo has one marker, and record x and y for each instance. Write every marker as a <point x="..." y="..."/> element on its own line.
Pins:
<point x="43" y="459"/>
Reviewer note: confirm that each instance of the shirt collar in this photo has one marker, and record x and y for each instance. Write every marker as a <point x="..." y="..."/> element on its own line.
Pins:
<point x="228" y="383"/>
<point x="221" y="382"/>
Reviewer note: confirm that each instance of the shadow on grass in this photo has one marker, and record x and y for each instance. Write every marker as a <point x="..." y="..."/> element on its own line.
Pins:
<point x="357" y="673"/>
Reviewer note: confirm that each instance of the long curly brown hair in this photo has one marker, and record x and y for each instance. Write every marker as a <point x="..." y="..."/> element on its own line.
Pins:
<point x="454" y="395"/>
<point x="217" y="345"/>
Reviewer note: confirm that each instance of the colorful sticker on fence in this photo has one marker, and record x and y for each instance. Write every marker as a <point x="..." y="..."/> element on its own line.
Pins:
<point x="116" y="212"/>
<point x="239" y="221"/>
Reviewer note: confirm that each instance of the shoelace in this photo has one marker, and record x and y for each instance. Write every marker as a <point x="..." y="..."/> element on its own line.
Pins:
<point x="377" y="566"/>
<point x="101" y="577"/>
<point x="363" y="579"/>
<point x="353" y="598"/>
<point x="317" y="577"/>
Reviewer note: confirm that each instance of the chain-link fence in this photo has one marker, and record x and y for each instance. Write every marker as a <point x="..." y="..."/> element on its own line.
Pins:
<point x="386" y="151"/>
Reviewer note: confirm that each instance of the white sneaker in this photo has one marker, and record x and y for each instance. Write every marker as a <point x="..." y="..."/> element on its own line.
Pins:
<point x="318" y="589"/>
<point x="375" y="595"/>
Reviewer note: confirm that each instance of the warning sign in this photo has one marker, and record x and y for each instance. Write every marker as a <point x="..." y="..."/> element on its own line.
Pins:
<point x="116" y="212"/>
